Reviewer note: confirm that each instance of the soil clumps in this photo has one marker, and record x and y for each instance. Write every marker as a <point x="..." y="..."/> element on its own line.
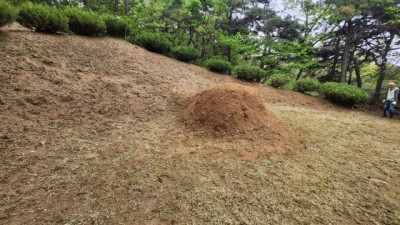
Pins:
<point x="232" y="110"/>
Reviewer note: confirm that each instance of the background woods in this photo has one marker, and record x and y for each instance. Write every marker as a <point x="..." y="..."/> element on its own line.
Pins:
<point x="352" y="42"/>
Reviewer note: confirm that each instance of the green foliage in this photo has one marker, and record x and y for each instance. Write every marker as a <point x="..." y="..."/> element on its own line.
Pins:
<point x="42" y="18"/>
<point x="116" y="26"/>
<point x="158" y="43"/>
<point x="280" y="81"/>
<point x="85" y="22"/>
<point x="292" y="56"/>
<point x="8" y="13"/>
<point x="233" y="47"/>
<point x="250" y="73"/>
<point x="186" y="53"/>
<point x="219" y="65"/>
<point x="306" y="85"/>
<point x="344" y="94"/>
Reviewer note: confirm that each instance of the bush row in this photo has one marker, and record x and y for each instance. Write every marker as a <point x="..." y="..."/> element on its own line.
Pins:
<point x="85" y="22"/>
<point x="49" y="19"/>
<point x="344" y="94"/>
<point x="280" y="81"/>
<point x="42" y="18"/>
<point x="116" y="27"/>
<point x="250" y="73"/>
<point x="8" y="13"/>
<point x="340" y="93"/>
<point x="186" y="53"/>
<point x="306" y="85"/>
<point x="153" y="42"/>
<point x="219" y="66"/>
<point x="45" y="18"/>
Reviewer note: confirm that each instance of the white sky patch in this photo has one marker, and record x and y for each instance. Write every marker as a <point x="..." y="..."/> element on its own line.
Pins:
<point x="280" y="8"/>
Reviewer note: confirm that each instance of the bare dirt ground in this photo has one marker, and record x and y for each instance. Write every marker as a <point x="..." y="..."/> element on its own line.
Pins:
<point x="90" y="133"/>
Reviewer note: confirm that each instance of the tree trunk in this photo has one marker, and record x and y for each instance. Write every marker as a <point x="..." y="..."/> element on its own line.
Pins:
<point x="381" y="77"/>
<point x="358" y="72"/>
<point x="299" y="74"/>
<point x="383" y="66"/>
<point x="350" y="75"/>
<point x="203" y="48"/>
<point x="332" y="73"/>
<point x="350" y="69"/>
<point x="345" y="63"/>
<point x="229" y="54"/>
<point x="264" y="54"/>
<point x="126" y="6"/>
<point x="115" y="6"/>
<point x="191" y="33"/>
<point x="346" y="54"/>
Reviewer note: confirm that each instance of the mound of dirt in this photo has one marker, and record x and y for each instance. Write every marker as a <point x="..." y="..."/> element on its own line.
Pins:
<point x="232" y="109"/>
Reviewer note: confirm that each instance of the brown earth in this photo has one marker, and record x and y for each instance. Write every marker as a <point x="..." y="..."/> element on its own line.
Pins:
<point x="89" y="134"/>
<point x="233" y="110"/>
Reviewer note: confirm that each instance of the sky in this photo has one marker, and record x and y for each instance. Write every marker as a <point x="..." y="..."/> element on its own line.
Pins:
<point x="280" y="8"/>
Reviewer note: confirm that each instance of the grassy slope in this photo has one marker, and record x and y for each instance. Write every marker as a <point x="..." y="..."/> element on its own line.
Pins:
<point x="89" y="135"/>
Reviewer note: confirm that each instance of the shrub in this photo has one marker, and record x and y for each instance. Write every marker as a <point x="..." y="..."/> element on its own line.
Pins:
<point x="85" y="22"/>
<point x="42" y="18"/>
<point x="116" y="26"/>
<point x="306" y="85"/>
<point x="8" y="13"/>
<point x="219" y="65"/>
<point x="344" y="94"/>
<point x="279" y="81"/>
<point x="154" y="42"/>
<point x="250" y="73"/>
<point x="186" y="53"/>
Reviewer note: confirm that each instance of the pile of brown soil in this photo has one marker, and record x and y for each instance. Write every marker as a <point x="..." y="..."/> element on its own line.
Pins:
<point x="232" y="109"/>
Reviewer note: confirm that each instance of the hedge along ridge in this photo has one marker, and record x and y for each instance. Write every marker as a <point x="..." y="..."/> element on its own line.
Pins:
<point x="116" y="26"/>
<point x="306" y="85"/>
<point x="250" y="73"/>
<point x="186" y="53"/>
<point x="42" y="18"/>
<point x="8" y="13"/>
<point x="280" y="81"/>
<point x="344" y="94"/>
<point x="85" y="22"/>
<point x="218" y="65"/>
<point x="153" y="42"/>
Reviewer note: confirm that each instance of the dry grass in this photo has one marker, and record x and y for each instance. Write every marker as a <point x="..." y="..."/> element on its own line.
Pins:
<point x="104" y="146"/>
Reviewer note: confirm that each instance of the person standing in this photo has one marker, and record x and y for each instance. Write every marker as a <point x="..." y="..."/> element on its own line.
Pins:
<point x="391" y="100"/>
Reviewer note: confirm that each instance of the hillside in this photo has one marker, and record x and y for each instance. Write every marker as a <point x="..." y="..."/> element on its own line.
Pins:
<point x="91" y="132"/>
